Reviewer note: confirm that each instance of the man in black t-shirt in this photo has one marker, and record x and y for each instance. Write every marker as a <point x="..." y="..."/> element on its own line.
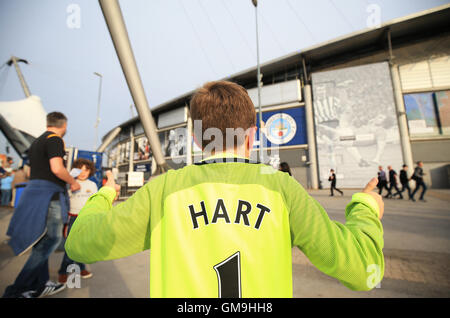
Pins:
<point x="393" y="182"/>
<point x="46" y="155"/>
<point x="404" y="180"/>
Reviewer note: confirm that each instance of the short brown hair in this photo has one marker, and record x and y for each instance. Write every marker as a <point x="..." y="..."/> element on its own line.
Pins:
<point x="222" y="105"/>
<point x="79" y="163"/>
<point x="56" y="119"/>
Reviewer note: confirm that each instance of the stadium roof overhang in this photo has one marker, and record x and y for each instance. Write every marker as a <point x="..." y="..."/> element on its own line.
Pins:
<point x="412" y="28"/>
<point x="408" y="29"/>
<point x="15" y="137"/>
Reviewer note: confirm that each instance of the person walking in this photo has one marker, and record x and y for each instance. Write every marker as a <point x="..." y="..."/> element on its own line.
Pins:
<point x="393" y="182"/>
<point x="2" y="174"/>
<point x="77" y="201"/>
<point x="21" y="177"/>
<point x="404" y="180"/>
<point x="333" y="180"/>
<point x="225" y="226"/>
<point x="37" y="222"/>
<point x="6" y="188"/>
<point x="418" y="177"/>
<point x="382" y="183"/>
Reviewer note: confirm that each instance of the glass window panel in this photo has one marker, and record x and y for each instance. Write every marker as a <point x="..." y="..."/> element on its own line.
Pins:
<point x="443" y="104"/>
<point x="421" y="114"/>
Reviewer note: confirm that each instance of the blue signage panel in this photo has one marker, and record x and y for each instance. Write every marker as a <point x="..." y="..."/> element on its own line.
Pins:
<point x="286" y="127"/>
<point x="143" y="167"/>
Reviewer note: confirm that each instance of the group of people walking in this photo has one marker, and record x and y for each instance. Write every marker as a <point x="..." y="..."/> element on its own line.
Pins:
<point x="391" y="183"/>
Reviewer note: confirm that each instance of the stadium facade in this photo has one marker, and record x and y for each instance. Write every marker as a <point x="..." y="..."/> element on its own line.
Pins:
<point x="376" y="97"/>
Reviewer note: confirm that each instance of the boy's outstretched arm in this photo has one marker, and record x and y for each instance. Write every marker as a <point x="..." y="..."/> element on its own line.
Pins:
<point x="351" y="252"/>
<point x="103" y="232"/>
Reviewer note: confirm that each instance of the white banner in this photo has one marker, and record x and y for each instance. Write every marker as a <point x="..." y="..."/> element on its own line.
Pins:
<point x="135" y="179"/>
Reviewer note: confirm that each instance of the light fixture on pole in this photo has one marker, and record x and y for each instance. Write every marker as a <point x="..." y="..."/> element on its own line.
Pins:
<point x="258" y="80"/>
<point x="14" y="60"/>
<point x="97" y="120"/>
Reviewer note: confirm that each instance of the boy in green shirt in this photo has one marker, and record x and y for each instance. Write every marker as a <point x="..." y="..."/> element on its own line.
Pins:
<point x="225" y="226"/>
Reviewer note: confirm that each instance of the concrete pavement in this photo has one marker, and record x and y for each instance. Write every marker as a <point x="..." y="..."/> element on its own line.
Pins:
<point x="417" y="257"/>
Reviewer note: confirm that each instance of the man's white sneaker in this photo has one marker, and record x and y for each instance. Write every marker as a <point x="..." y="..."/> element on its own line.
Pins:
<point x="51" y="288"/>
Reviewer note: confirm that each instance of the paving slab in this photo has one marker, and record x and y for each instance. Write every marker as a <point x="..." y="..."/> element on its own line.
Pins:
<point x="417" y="258"/>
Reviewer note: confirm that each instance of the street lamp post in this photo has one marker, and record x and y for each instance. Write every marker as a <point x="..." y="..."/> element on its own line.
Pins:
<point x="97" y="120"/>
<point x="258" y="79"/>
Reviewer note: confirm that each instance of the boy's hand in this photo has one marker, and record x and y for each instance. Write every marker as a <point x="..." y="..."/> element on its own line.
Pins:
<point x="369" y="190"/>
<point x="111" y="183"/>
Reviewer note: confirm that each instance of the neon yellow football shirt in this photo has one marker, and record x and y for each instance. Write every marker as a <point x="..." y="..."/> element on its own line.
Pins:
<point x="226" y="229"/>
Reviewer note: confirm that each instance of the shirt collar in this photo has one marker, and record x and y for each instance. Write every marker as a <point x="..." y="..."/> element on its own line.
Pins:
<point x="224" y="155"/>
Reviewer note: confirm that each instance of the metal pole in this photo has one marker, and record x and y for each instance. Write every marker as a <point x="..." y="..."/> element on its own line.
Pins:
<point x="311" y="137"/>
<point x="117" y="29"/>
<point x="401" y="116"/>
<point x="97" y="121"/>
<point x="258" y="79"/>
<point x="14" y="61"/>
<point x="131" y="162"/>
<point x="109" y="139"/>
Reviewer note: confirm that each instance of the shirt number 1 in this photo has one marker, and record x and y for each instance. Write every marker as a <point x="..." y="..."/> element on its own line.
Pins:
<point x="229" y="276"/>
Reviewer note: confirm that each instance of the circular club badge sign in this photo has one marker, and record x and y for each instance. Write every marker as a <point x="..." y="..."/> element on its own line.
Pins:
<point x="280" y="128"/>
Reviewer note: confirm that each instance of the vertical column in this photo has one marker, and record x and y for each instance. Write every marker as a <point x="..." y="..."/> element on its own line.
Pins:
<point x="314" y="180"/>
<point x="131" y="162"/>
<point x="110" y="159"/>
<point x="188" y="138"/>
<point x="401" y="118"/>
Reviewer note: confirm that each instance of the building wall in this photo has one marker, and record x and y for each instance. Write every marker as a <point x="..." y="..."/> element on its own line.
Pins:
<point x="402" y="53"/>
<point x="296" y="159"/>
<point x="435" y="155"/>
<point x="434" y="151"/>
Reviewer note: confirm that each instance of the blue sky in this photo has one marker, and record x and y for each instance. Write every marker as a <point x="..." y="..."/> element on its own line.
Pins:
<point x="178" y="45"/>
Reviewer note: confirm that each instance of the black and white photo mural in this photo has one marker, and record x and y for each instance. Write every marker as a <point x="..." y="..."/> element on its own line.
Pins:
<point x="173" y="142"/>
<point x="356" y="123"/>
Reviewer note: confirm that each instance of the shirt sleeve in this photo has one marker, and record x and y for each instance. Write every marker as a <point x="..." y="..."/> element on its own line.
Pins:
<point x="103" y="232"/>
<point x="350" y="252"/>
<point x="55" y="147"/>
